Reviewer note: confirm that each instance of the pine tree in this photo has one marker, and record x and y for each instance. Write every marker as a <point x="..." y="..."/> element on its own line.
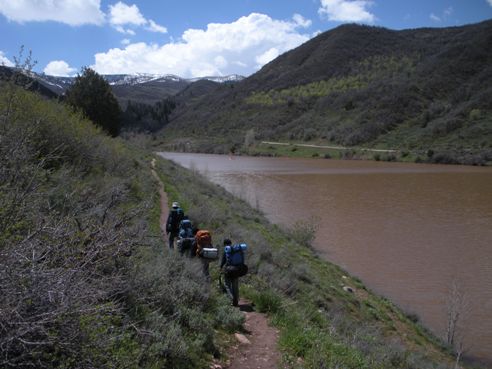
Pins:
<point x="93" y="96"/>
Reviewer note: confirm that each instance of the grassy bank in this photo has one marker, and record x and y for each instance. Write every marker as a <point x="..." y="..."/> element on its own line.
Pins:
<point x="84" y="278"/>
<point x="327" y="318"/>
<point x="240" y="145"/>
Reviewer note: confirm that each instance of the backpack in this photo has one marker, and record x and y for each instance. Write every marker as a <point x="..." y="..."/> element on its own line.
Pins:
<point x="175" y="217"/>
<point x="235" y="266"/>
<point x="185" y="229"/>
<point x="203" y="239"/>
<point x="235" y="254"/>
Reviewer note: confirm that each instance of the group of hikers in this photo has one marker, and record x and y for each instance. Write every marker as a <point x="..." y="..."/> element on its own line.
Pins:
<point x="193" y="242"/>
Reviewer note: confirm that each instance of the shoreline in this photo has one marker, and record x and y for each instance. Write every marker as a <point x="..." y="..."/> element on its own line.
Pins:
<point x="397" y="314"/>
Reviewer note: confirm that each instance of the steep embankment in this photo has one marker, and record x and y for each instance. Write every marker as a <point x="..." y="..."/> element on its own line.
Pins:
<point x="424" y="92"/>
<point x="325" y="317"/>
<point x="84" y="278"/>
<point x="257" y="348"/>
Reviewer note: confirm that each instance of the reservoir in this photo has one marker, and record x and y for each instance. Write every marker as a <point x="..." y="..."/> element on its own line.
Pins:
<point x="418" y="234"/>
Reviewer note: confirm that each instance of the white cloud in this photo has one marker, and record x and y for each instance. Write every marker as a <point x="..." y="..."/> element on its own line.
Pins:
<point x="5" y="61"/>
<point x="267" y="56"/>
<point x="434" y="17"/>
<point x="154" y="27"/>
<point x="446" y="13"/>
<point x="121" y="14"/>
<point x="347" y="10"/>
<point x="490" y="2"/>
<point x="72" y="12"/>
<point x="250" y="41"/>
<point x="303" y="22"/>
<point x="449" y="11"/>
<point x="125" y="41"/>
<point x="127" y="31"/>
<point x="59" y="68"/>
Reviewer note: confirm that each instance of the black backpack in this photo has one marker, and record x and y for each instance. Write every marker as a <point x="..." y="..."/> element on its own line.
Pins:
<point x="175" y="217"/>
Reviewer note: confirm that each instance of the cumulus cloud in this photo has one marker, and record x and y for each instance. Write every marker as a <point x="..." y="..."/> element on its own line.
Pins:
<point x="121" y="16"/>
<point x="59" y="68"/>
<point x="303" y="22"/>
<point x="125" y="41"/>
<point x="247" y="43"/>
<point x="72" y="12"/>
<point x="5" y="61"/>
<point x="347" y="10"/>
<point x="490" y="2"/>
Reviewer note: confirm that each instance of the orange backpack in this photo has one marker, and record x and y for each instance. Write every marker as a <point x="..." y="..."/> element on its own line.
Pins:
<point x="203" y="239"/>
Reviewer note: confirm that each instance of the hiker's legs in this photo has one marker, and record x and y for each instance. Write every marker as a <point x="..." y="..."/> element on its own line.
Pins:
<point x="171" y="240"/>
<point x="232" y="289"/>
<point x="205" y="268"/>
<point x="235" y="291"/>
<point x="181" y="244"/>
<point x="228" y="286"/>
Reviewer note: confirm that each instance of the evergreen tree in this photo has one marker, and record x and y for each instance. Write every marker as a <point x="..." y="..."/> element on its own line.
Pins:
<point x="93" y="96"/>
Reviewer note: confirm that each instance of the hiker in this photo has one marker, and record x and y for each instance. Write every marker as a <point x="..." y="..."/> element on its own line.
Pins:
<point x="186" y="236"/>
<point x="233" y="260"/>
<point x="205" y="250"/>
<point x="172" y="225"/>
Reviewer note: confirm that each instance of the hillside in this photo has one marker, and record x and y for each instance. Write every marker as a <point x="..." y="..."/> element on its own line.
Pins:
<point x="86" y="280"/>
<point x="149" y="92"/>
<point x="424" y="92"/>
<point x="83" y="277"/>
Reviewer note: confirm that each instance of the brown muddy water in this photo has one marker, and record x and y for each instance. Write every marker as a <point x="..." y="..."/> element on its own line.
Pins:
<point x="412" y="232"/>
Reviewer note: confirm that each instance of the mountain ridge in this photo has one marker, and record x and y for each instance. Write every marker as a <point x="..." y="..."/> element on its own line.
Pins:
<point x="411" y="90"/>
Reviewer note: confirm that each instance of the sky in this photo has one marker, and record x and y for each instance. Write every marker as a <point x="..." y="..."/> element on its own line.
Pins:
<point x="197" y="38"/>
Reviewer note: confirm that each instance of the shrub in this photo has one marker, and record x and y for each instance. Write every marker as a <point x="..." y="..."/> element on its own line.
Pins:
<point x="304" y="231"/>
<point x="267" y="302"/>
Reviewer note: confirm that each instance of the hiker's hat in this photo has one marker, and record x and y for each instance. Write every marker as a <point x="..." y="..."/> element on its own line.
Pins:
<point x="175" y="205"/>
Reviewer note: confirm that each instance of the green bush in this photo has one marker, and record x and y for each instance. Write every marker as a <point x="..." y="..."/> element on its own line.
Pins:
<point x="267" y="302"/>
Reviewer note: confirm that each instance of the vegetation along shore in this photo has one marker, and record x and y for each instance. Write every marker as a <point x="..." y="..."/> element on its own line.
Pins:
<point x="87" y="278"/>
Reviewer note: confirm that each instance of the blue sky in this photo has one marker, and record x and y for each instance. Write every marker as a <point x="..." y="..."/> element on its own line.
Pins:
<point x="195" y="38"/>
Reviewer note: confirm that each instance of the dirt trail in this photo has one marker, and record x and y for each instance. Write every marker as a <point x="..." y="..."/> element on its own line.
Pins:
<point x="257" y="349"/>
<point x="163" y="201"/>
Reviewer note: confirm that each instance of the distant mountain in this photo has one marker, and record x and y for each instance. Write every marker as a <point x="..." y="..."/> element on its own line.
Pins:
<point x="28" y="81"/>
<point x="423" y="90"/>
<point x="141" y="87"/>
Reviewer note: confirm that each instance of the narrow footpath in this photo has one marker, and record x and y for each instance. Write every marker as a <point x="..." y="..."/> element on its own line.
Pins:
<point x="163" y="201"/>
<point x="257" y="348"/>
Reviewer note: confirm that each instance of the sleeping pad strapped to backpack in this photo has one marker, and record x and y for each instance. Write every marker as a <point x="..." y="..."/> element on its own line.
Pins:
<point x="235" y="266"/>
<point x="203" y="241"/>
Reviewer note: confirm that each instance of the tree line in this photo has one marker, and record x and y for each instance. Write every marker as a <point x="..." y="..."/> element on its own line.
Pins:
<point x="91" y="94"/>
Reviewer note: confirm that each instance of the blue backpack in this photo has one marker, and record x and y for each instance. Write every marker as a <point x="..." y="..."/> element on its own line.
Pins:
<point x="185" y="229"/>
<point x="235" y="254"/>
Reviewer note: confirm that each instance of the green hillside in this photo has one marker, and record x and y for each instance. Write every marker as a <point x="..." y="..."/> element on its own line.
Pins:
<point x="423" y="92"/>
<point x="83" y="277"/>
<point x="86" y="281"/>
